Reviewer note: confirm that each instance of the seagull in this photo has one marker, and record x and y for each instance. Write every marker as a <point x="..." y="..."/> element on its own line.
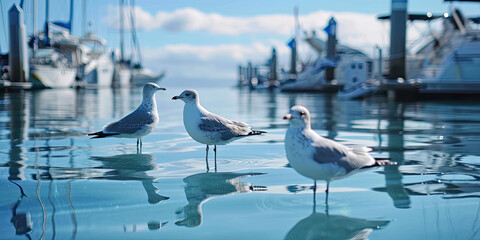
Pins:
<point x="208" y="128"/>
<point x="320" y="158"/>
<point x="137" y="124"/>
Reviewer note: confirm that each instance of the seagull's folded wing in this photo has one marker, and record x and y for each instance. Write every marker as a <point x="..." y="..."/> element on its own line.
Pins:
<point x="226" y="129"/>
<point x="130" y="124"/>
<point x="329" y="151"/>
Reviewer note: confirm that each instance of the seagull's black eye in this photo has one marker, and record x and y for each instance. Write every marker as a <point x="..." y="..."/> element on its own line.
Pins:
<point x="302" y="114"/>
<point x="188" y="94"/>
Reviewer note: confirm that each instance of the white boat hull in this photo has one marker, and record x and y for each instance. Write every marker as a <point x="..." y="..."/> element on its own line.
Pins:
<point x="47" y="76"/>
<point x="99" y="72"/>
<point x="357" y="92"/>
<point x="122" y="76"/>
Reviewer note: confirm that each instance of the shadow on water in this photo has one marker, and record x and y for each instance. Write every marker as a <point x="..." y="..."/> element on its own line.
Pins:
<point x="202" y="187"/>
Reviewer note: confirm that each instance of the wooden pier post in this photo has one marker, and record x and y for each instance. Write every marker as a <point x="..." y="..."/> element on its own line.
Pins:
<point x="18" y="55"/>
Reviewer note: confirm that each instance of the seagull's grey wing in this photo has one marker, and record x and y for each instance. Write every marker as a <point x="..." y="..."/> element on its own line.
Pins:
<point x="329" y="151"/>
<point x="224" y="128"/>
<point x="131" y="123"/>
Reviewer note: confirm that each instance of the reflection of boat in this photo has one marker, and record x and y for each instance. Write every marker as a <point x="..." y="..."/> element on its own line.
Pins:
<point x="325" y="226"/>
<point x="202" y="187"/>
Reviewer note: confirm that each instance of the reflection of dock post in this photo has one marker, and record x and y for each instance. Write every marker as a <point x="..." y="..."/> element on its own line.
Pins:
<point x="18" y="133"/>
<point x="393" y="176"/>
<point x="18" y="56"/>
<point x="331" y="30"/>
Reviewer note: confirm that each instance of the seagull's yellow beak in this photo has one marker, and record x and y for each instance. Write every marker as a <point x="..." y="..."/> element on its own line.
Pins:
<point x="176" y="97"/>
<point x="288" y="116"/>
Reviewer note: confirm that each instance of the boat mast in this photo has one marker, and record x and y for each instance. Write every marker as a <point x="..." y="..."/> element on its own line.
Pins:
<point x="46" y="39"/>
<point x="35" y="45"/>
<point x="121" y="30"/>
<point x="136" y="44"/>
<point x="71" y="17"/>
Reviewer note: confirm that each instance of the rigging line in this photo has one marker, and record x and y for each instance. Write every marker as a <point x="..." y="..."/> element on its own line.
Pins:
<point x="136" y="42"/>
<point x="4" y="28"/>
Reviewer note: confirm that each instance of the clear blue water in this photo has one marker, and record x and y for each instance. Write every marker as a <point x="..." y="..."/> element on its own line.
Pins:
<point x="81" y="188"/>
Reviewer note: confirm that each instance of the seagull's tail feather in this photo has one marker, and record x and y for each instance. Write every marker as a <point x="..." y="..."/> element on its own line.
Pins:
<point x="256" y="132"/>
<point x="101" y="134"/>
<point x="381" y="162"/>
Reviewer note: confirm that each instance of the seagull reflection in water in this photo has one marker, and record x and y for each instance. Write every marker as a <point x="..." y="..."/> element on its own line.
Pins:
<point x="327" y="226"/>
<point x="133" y="167"/>
<point x="119" y="167"/>
<point x="202" y="187"/>
<point x="21" y="221"/>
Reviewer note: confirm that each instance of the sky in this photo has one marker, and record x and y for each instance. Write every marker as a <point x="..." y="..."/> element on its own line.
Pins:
<point x="203" y="42"/>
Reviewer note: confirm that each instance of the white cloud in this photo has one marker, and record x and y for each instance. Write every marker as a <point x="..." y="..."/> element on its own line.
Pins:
<point x="190" y="19"/>
<point x="357" y="30"/>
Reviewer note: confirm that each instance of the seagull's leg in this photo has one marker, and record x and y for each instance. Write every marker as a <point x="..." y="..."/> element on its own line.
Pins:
<point x="215" y="151"/>
<point x="326" y="192"/>
<point x="206" y="158"/>
<point x="141" y="144"/>
<point x="314" y="195"/>
<point x="138" y="142"/>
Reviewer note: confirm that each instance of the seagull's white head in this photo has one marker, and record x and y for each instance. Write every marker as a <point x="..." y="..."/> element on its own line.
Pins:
<point x="299" y="116"/>
<point x="188" y="96"/>
<point x="150" y="88"/>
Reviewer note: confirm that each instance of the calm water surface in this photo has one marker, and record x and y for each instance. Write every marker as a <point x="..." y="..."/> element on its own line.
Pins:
<point x="55" y="183"/>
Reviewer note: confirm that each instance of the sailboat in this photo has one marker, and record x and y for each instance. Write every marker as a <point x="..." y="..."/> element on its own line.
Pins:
<point x="140" y="75"/>
<point x="55" y="63"/>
